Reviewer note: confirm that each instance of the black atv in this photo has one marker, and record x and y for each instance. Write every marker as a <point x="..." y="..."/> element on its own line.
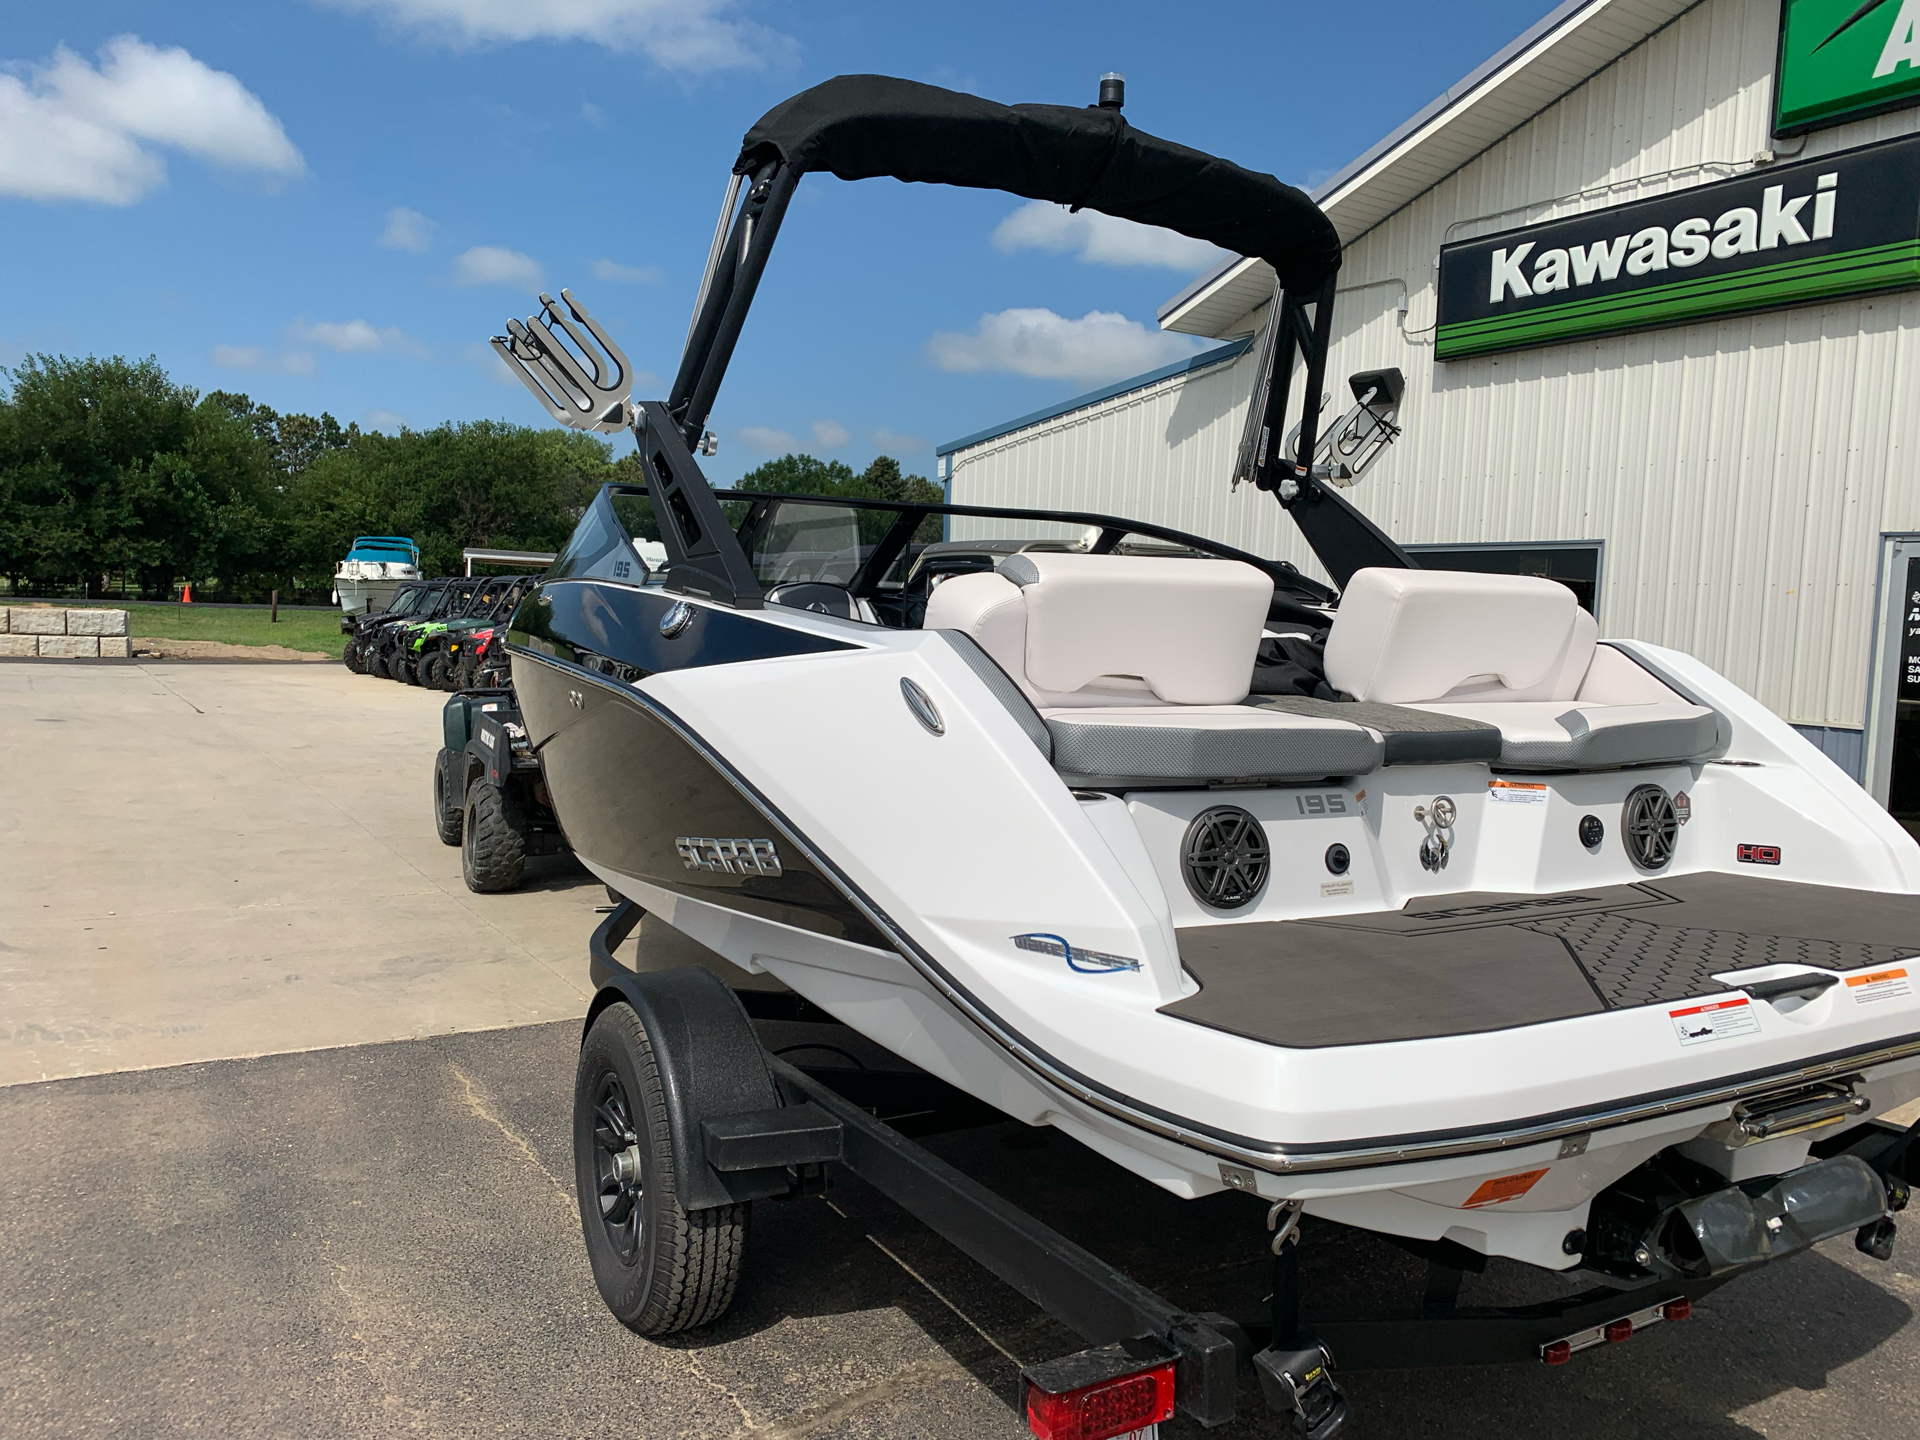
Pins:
<point x="489" y="796"/>
<point x="407" y="601"/>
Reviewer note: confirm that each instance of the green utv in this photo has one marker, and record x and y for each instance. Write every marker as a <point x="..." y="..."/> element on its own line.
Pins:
<point x="439" y="650"/>
<point x="386" y="651"/>
<point x="411" y="599"/>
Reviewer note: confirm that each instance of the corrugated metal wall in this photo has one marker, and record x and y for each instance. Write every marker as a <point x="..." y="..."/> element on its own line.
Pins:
<point x="1740" y="470"/>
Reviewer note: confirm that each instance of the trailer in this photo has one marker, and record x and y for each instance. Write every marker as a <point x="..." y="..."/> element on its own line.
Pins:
<point x="683" y="1119"/>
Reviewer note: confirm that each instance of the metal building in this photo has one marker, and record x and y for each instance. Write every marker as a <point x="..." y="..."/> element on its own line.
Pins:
<point x="1717" y="450"/>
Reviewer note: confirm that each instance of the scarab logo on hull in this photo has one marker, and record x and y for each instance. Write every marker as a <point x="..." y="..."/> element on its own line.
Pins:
<point x="728" y="857"/>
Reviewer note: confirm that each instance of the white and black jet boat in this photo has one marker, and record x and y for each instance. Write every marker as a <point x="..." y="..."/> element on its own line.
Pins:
<point x="1466" y="926"/>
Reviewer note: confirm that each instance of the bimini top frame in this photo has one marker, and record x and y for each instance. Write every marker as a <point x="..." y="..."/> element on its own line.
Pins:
<point x="865" y="126"/>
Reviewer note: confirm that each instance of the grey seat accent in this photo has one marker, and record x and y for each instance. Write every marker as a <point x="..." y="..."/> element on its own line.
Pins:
<point x="1644" y="742"/>
<point x="1001" y="685"/>
<point x="1413" y="737"/>
<point x="1088" y="752"/>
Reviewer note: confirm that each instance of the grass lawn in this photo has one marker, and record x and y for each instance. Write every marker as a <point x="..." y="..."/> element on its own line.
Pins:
<point x="311" y="630"/>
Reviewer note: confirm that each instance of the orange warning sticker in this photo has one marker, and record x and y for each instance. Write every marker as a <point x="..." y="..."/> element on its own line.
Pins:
<point x="1507" y="1187"/>
<point x="1880" y="985"/>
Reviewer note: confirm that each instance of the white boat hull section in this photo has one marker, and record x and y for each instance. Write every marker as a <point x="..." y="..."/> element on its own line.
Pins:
<point x="1016" y="853"/>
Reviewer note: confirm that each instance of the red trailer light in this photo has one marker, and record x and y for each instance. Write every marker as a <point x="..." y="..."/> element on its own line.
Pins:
<point x="1681" y="1309"/>
<point x="1618" y="1330"/>
<point x="1558" y="1353"/>
<point x="1097" y="1412"/>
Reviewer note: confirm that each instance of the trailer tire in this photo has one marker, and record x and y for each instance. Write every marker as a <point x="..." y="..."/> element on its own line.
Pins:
<point x="493" y="839"/>
<point x="659" y="1268"/>
<point x="449" y="799"/>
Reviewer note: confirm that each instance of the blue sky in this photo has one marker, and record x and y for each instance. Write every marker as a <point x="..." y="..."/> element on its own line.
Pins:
<point x="330" y="204"/>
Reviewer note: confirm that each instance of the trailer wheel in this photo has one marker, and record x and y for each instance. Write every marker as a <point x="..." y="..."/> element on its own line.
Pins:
<point x="658" y="1267"/>
<point x="449" y="807"/>
<point x="493" y="841"/>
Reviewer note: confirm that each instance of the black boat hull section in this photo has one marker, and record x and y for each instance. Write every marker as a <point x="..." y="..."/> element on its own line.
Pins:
<point x="614" y="630"/>
<point x="632" y="788"/>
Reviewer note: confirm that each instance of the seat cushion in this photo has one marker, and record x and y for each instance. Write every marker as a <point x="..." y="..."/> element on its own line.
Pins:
<point x="1187" y="628"/>
<point x="1406" y="636"/>
<point x="1198" y="743"/>
<point x="1410" y="736"/>
<point x="1558" y="735"/>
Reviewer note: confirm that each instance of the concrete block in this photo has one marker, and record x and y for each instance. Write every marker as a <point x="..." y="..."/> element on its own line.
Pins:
<point x="37" y="620"/>
<point x="69" y="647"/>
<point x="115" y="647"/>
<point x="5" y="628"/>
<point x="96" y="622"/>
<point x="19" y="645"/>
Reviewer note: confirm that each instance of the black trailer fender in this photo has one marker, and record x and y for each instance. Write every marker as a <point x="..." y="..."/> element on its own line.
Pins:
<point x="732" y="1138"/>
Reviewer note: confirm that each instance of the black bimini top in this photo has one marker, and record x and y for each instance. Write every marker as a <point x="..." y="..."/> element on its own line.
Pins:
<point x="860" y="127"/>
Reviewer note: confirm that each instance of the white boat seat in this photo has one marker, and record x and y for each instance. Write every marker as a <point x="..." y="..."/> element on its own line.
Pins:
<point x="1109" y="747"/>
<point x="1138" y="665"/>
<point x="1515" y="652"/>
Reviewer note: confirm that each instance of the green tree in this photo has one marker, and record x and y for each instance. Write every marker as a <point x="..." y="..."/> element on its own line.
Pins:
<point x="881" y="480"/>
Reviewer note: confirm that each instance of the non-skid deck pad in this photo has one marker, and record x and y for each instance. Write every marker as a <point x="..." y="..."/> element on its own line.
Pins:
<point x="1464" y="964"/>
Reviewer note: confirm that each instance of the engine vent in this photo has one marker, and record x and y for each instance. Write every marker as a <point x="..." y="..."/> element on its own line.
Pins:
<point x="1648" y="826"/>
<point x="1226" y="857"/>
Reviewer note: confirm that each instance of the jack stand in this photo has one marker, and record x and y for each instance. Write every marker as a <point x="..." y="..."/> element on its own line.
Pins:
<point x="1296" y="1370"/>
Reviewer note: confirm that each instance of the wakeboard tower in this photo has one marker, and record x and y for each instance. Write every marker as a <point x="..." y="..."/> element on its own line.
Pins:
<point x="1406" y="903"/>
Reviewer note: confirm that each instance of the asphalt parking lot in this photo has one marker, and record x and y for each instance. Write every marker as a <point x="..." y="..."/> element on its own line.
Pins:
<point x="285" y="1112"/>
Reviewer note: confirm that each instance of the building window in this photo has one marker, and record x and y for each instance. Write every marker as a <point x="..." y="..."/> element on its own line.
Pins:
<point x="1574" y="563"/>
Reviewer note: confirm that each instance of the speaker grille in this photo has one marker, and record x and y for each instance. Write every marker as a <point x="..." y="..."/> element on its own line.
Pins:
<point x="1226" y="857"/>
<point x="1648" y="826"/>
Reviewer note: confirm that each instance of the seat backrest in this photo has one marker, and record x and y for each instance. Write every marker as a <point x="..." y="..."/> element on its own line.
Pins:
<point x="1409" y="636"/>
<point x="1091" y="630"/>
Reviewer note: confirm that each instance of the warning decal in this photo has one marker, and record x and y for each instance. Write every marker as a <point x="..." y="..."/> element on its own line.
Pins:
<point x="1881" y="985"/>
<point x="1716" y="1020"/>
<point x="1507" y="1187"/>
<point x="1516" y="792"/>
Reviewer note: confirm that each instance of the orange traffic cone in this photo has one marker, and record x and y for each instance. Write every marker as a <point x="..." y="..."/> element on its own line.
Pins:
<point x="186" y="593"/>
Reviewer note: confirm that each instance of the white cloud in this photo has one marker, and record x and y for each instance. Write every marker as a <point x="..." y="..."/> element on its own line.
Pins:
<point x="351" y="337"/>
<point x="1100" y="239"/>
<point x="891" y="442"/>
<point x="626" y="274"/>
<point x="266" y="362"/>
<point x="1100" y="345"/>
<point x="407" y="230"/>
<point x="768" y="442"/>
<point x="484" y="358"/>
<point x="384" y="420"/>
<point x="689" y="35"/>
<point x="71" y="132"/>
<point x="830" y="434"/>
<point x="496" y="265"/>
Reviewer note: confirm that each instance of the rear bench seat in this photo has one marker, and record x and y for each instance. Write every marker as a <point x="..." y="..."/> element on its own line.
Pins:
<point x="1514" y="652"/>
<point x="1136" y="667"/>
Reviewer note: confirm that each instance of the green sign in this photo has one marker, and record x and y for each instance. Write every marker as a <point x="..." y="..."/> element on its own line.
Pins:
<point x="1840" y="224"/>
<point x="1841" y="59"/>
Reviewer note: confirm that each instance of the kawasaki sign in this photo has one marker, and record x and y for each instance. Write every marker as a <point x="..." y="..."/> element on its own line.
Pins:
<point x="1841" y="59"/>
<point x="1782" y="235"/>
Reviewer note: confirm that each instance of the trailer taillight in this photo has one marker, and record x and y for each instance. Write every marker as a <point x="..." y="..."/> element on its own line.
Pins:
<point x="1618" y="1330"/>
<point x="1680" y="1309"/>
<point x="1558" y="1353"/>
<point x="1096" y="1412"/>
